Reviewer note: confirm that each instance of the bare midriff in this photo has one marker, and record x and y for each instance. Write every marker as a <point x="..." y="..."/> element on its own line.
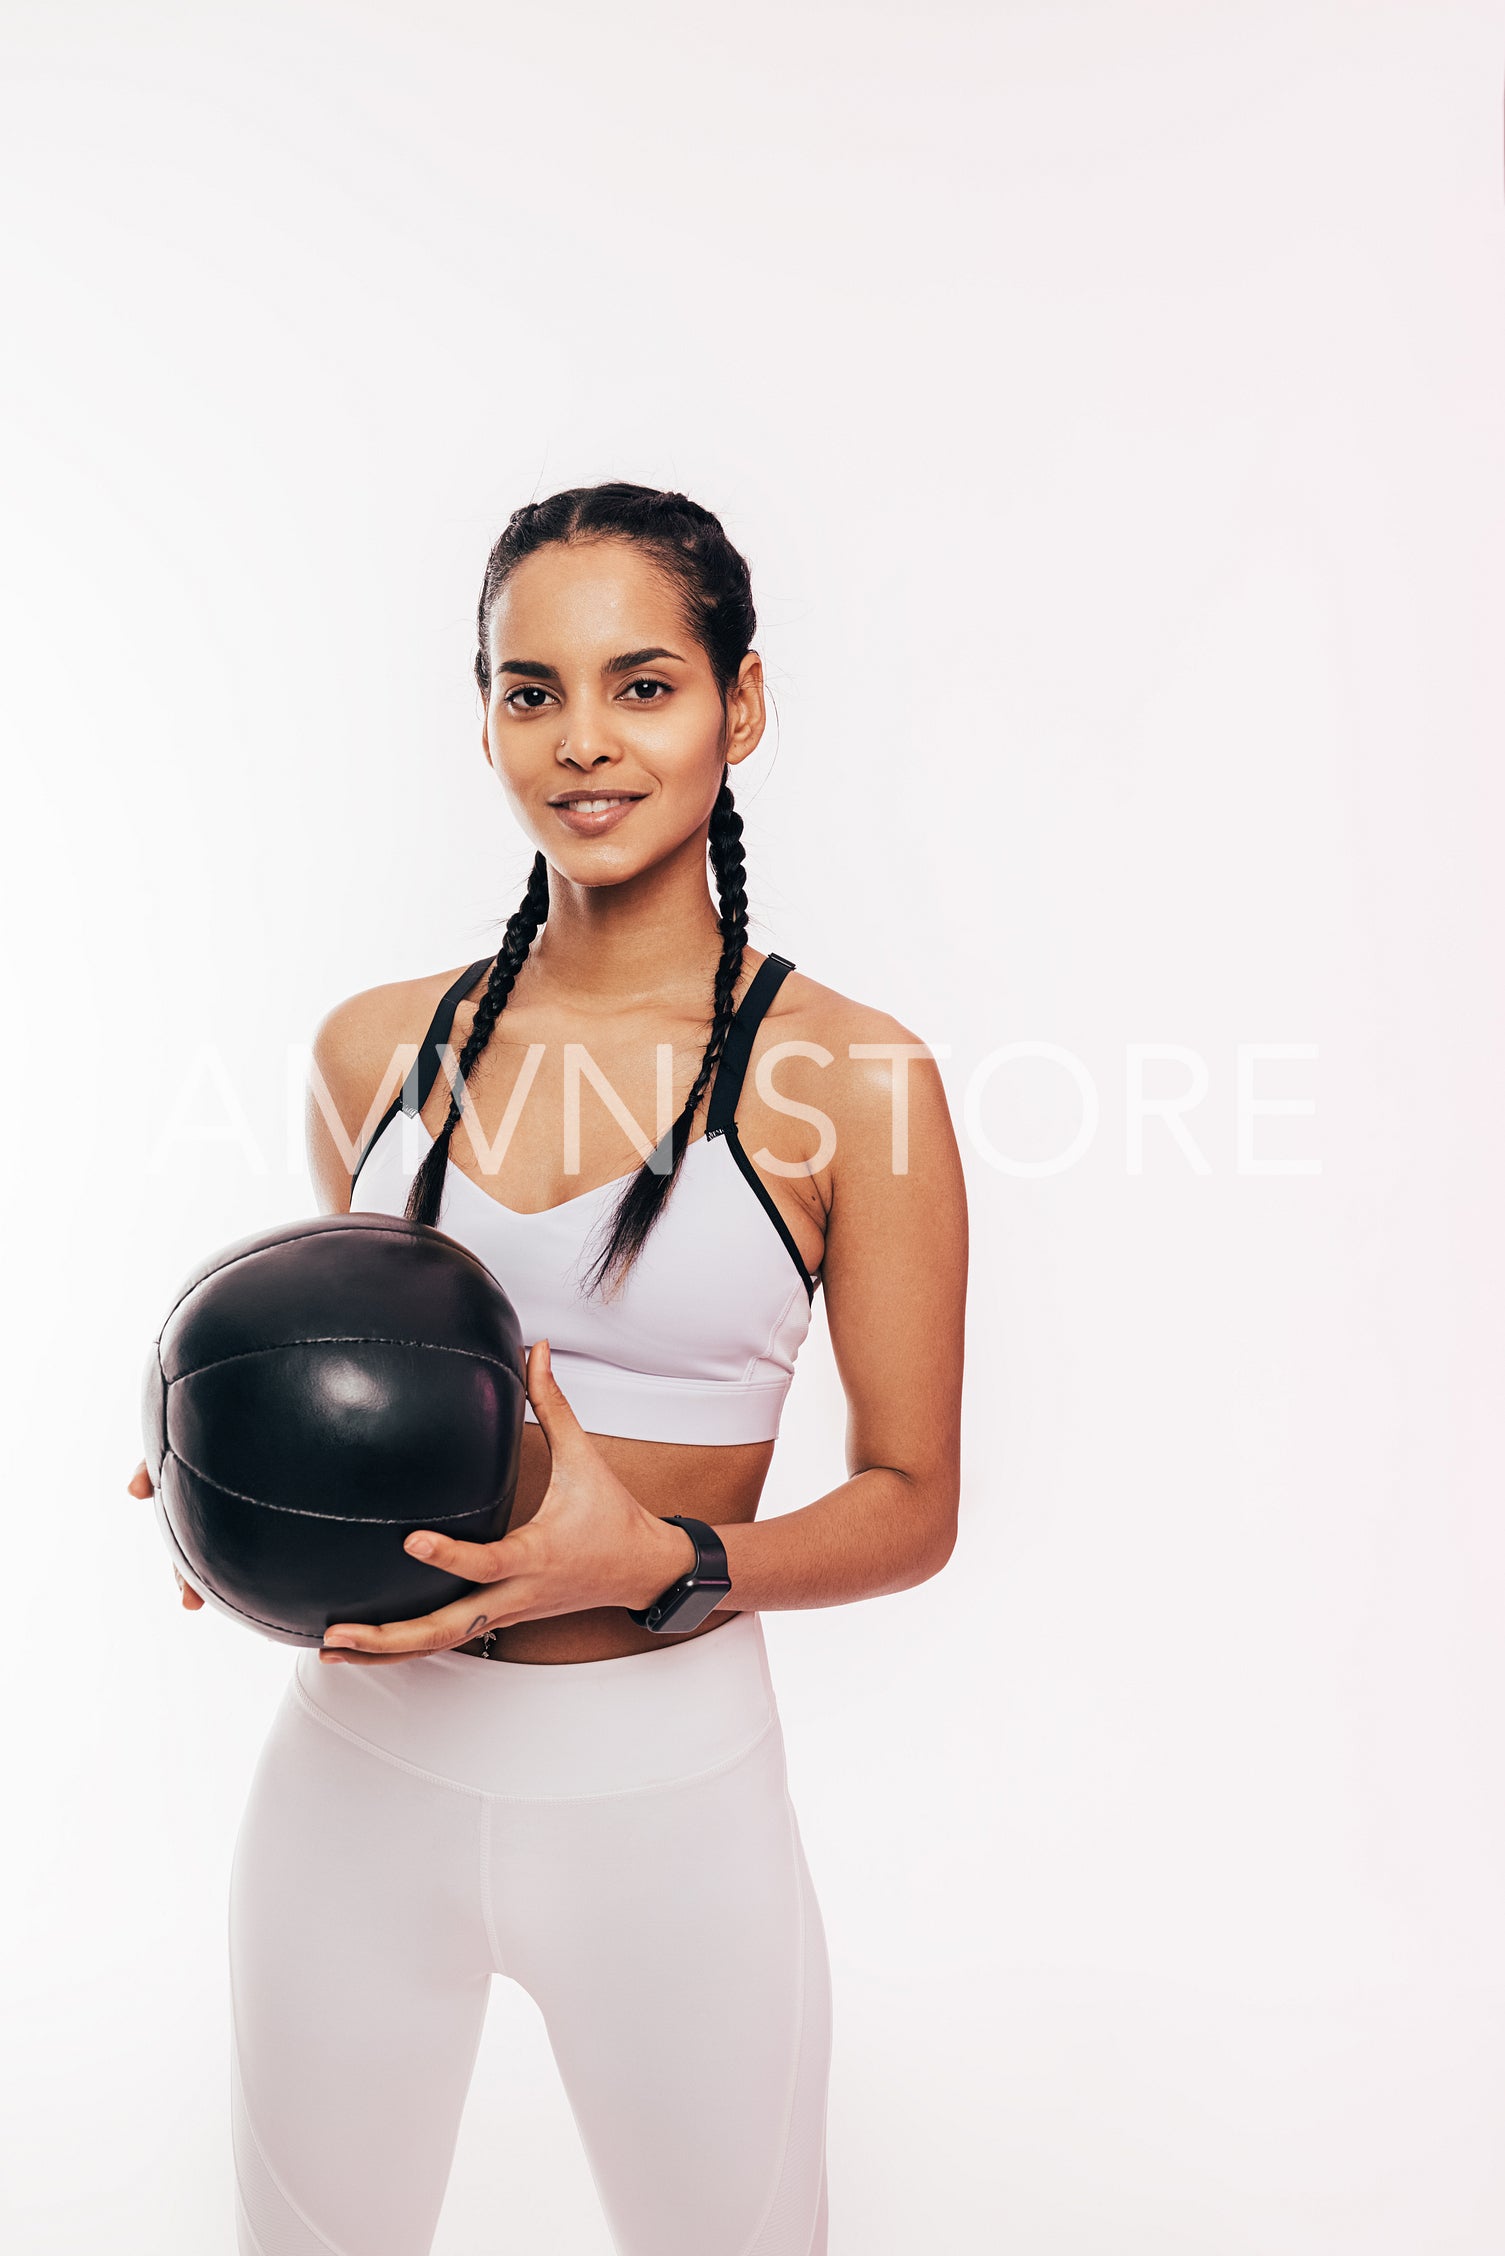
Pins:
<point x="718" y="1485"/>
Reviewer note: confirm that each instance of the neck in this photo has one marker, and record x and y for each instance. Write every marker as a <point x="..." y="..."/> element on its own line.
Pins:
<point x="652" y="939"/>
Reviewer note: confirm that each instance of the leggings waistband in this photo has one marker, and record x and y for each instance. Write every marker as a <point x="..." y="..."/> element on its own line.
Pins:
<point x="553" y="1730"/>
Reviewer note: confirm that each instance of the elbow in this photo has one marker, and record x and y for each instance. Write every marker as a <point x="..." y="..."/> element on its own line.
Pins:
<point x="936" y="1532"/>
<point x="938" y="1552"/>
<point x="912" y="1533"/>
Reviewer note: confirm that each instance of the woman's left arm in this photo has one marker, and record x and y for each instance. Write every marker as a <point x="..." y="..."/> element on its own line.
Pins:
<point x="895" y="1281"/>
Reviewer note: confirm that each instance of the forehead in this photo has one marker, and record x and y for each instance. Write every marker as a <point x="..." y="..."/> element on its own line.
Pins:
<point x="586" y="594"/>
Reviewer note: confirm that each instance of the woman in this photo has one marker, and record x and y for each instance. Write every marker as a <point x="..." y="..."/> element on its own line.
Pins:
<point x="574" y="1775"/>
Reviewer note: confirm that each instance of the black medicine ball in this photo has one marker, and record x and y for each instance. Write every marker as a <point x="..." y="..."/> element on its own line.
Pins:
<point x="315" y="1395"/>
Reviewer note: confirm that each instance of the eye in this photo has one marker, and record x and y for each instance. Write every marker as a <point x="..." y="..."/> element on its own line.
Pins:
<point x="527" y="689"/>
<point x="645" y="681"/>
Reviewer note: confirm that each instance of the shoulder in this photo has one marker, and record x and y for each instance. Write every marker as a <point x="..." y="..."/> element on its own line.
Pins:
<point x="357" y="1037"/>
<point x="861" y="1038"/>
<point x="856" y="1061"/>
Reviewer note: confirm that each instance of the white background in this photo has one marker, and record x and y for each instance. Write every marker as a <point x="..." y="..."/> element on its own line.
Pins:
<point x="1108" y="399"/>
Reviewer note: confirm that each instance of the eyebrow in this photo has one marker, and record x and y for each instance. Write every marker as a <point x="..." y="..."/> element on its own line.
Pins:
<point x="538" y="671"/>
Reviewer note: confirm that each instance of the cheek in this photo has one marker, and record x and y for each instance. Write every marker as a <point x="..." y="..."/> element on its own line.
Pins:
<point x="521" y="777"/>
<point x="519" y="754"/>
<point x="684" y="741"/>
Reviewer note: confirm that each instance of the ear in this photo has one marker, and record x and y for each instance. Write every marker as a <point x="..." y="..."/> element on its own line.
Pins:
<point x="745" y="712"/>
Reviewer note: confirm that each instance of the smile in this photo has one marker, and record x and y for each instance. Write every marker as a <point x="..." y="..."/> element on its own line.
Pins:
<point x="589" y="813"/>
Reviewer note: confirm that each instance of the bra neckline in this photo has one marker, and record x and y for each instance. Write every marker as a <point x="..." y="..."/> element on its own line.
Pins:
<point x="560" y="1206"/>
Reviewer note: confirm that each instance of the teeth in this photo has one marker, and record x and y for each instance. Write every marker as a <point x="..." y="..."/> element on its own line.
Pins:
<point x="593" y="806"/>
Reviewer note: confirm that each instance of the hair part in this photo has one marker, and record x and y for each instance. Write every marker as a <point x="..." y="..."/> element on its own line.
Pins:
<point x="714" y="588"/>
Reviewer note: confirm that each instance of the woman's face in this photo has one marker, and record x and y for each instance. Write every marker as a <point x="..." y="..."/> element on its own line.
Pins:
<point x="604" y="723"/>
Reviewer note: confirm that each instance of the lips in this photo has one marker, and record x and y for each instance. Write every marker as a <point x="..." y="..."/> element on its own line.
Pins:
<point x="591" y="813"/>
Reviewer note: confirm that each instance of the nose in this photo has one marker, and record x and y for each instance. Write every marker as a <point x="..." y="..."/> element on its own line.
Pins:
<point x="586" y="741"/>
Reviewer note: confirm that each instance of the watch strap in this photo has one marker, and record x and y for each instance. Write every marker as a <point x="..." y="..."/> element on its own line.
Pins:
<point x="699" y="1590"/>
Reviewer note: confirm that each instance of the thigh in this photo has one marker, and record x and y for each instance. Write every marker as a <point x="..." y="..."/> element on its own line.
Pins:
<point x="360" y="1966"/>
<point x="674" y="1944"/>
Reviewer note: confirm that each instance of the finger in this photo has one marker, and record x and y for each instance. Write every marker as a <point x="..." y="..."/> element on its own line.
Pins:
<point x="562" y="1430"/>
<point x="140" y="1482"/>
<point x="431" y="1633"/>
<point x="477" y="1562"/>
<point x="328" y="1659"/>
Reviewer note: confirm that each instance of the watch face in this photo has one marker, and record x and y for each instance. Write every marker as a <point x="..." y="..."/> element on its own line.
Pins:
<point x="690" y="1609"/>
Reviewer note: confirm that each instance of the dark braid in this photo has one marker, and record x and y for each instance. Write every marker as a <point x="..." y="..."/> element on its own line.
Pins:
<point x="714" y="589"/>
<point x="641" y="1203"/>
<point x="428" y="1184"/>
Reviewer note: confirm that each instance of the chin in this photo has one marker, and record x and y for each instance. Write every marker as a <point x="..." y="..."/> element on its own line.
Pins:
<point x="583" y="862"/>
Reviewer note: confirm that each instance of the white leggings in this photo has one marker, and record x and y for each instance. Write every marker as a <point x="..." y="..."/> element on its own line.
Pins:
<point x="616" y="1836"/>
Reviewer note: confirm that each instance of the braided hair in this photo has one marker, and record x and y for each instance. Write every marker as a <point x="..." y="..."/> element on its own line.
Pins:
<point x="714" y="587"/>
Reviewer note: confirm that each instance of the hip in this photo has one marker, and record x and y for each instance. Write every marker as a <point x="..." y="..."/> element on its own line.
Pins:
<point x="618" y="1724"/>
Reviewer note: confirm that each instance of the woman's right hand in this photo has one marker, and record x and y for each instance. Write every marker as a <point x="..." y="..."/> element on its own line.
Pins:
<point x="140" y="1484"/>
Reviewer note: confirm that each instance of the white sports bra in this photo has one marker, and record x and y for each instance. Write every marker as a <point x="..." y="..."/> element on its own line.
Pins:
<point x="700" y="1340"/>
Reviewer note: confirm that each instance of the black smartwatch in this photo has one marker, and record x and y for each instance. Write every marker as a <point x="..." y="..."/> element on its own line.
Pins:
<point x="699" y="1590"/>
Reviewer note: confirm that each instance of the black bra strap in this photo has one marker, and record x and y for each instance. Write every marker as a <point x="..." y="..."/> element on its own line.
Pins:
<point x="743" y="1032"/>
<point x="424" y="1070"/>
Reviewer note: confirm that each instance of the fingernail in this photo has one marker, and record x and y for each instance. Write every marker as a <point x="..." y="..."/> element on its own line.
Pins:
<point x="421" y="1546"/>
<point x="330" y="1639"/>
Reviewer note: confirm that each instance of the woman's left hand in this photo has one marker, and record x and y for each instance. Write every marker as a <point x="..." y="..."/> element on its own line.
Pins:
<point x="590" y="1543"/>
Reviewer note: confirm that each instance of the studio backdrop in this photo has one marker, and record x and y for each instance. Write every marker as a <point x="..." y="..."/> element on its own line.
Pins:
<point x="1108" y="401"/>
